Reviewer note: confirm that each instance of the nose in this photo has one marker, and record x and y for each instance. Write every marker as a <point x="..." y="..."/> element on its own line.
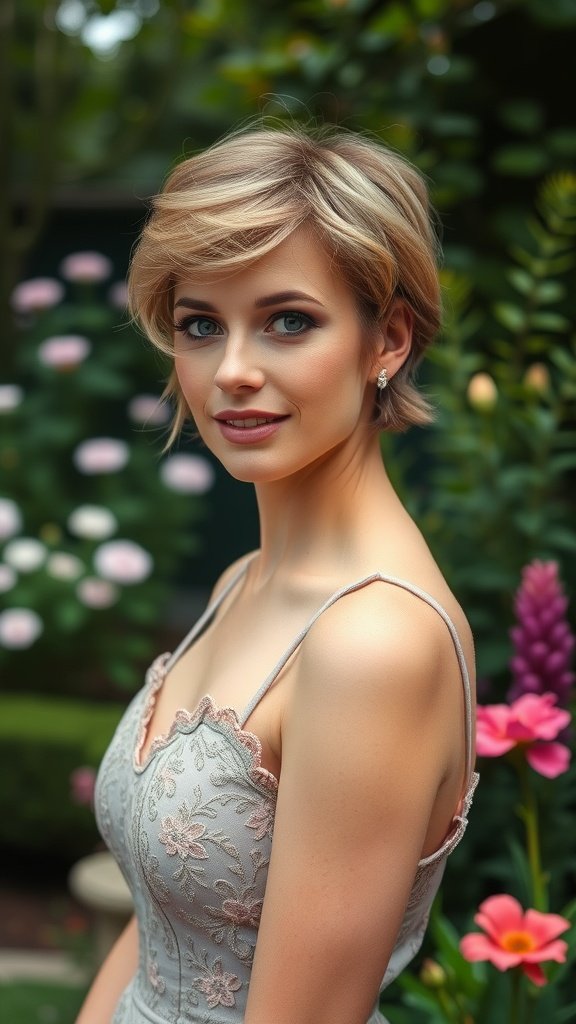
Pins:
<point x="239" y="368"/>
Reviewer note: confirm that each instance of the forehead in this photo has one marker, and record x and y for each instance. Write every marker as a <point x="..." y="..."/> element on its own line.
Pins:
<point x="301" y="262"/>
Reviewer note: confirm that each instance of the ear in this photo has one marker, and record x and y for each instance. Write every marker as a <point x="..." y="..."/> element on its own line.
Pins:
<point x="393" y="339"/>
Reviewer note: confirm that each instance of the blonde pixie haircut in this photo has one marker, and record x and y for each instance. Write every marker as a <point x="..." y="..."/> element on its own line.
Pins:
<point x="223" y="209"/>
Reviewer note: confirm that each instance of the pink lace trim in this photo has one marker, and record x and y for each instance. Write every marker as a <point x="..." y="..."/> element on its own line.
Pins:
<point x="207" y="710"/>
<point x="184" y="721"/>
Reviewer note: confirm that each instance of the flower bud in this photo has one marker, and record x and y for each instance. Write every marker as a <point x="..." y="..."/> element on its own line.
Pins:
<point x="482" y="392"/>
<point x="432" y="974"/>
<point x="537" y="378"/>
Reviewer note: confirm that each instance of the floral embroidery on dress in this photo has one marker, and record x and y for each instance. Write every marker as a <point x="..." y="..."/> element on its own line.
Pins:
<point x="262" y="820"/>
<point x="245" y="914"/>
<point x="179" y="835"/>
<point x="240" y="909"/>
<point x="219" y="987"/>
<point x="155" y="978"/>
<point x="165" y="779"/>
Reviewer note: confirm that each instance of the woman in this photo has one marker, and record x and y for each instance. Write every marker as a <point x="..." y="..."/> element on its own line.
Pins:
<point x="284" y="839"/>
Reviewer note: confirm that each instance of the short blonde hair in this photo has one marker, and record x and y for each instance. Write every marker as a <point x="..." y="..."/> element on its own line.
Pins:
<point x="235" y="202"/>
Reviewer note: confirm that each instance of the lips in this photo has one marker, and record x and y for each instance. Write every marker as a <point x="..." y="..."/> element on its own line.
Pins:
<point x="249" y="426"/>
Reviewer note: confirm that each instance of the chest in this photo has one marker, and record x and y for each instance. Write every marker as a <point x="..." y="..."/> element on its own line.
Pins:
<point x="192" y="826"/>
<point x="230" y="660"/>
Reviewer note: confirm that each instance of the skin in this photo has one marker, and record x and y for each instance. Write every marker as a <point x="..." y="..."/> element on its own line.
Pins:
<point x="344" y="718"/>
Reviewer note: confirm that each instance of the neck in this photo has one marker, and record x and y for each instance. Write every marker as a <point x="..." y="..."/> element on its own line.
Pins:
<point x="328" y="519"/>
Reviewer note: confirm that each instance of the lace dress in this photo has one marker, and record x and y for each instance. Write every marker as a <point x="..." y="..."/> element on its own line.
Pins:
<point x="191" y="827"/>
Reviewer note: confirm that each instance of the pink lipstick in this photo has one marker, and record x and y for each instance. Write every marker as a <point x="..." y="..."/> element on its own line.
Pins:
<point x="248" y="426"/>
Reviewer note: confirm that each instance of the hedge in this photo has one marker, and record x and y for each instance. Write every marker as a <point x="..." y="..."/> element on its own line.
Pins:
<point x="42" y="741"/>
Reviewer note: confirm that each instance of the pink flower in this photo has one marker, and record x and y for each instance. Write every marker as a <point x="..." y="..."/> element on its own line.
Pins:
<point x="148" y="409"/>
<point x="123" y="561"/>
<point x="19" y="628"/>
<point x="61" y="565"/>
<point x="92" y="522"/>
<point x="11" y="396"/>
<point x="8" y="578"/>
<point x="118" y="295"/>
<point x="96" y="593"/>
<point x="188" y="474"/>
<point x="82" y="782"/>
<point x="64" y="351"/>
<point x="37" y="294"/>
<point x="543" y="640"/>
<point x="101" y="455"/>
<point x="516" y="939"/>
<point x="531" y="723"/>
<point x="10" y="518"/>
<point x="25" y="554"/>
<point x="86" y="267"/>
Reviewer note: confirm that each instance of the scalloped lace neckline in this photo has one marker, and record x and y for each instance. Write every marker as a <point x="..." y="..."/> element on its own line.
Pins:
<point x="185" y="720"/>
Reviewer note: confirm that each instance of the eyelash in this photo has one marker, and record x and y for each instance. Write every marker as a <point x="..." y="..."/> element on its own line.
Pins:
<point x="183" y="325"/>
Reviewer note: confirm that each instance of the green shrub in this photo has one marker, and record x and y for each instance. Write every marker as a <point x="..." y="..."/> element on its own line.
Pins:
<point x="42" y="741"/>
<point x="26" y="1002"/>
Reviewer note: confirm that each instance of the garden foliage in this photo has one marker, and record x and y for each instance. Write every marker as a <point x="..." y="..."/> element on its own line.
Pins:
<point x="93" y="523"/>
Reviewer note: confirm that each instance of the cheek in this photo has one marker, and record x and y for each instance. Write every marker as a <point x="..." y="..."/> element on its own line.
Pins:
<point x="188" y="381"/>
<point x="338" y="376"/>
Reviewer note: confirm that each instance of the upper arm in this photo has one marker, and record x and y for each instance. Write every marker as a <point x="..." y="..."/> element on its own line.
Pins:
<point x="364" y="752"/>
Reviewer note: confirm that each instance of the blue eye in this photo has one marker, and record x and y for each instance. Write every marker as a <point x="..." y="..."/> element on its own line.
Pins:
<point x="291" y="323"/>
<point x="198" y="327"/>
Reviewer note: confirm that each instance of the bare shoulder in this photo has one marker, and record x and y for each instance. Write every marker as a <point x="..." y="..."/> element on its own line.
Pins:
<point x="383" y="638"/>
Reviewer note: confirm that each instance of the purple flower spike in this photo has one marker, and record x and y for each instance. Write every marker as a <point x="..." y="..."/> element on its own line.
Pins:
<point x="543" y="641"/>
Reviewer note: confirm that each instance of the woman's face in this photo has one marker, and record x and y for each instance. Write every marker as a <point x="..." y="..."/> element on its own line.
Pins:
<point x="273" y="362"/>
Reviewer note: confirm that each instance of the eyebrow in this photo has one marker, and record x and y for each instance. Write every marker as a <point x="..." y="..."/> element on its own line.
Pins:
<point x="267" y="300"/>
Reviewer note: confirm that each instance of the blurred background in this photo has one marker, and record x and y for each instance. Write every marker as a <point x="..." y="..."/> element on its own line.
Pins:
<point x="108" y="547"/>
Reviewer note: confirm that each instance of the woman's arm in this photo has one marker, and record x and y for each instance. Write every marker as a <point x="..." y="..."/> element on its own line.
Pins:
<point x="372" y="734"/>
<point x="116" y="971"/>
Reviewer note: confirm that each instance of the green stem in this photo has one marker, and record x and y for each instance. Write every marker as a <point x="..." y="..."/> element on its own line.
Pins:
<point x="516" y="1000"/>
<point x="449" y="1007"/>
<point x="533" y="839"/>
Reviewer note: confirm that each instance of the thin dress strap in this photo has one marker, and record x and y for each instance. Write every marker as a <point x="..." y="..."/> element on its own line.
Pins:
<point x="208" y="613"/>
<point x="413" y="589"/>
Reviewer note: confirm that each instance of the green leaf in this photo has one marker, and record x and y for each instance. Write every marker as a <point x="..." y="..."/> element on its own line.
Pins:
<point x="453" y="124"/>
<point x="550" y="291"/>
<point x="561" y="463"/>
<point x="521" y="161"/>
<point x="510" y="316"/>
<point x="549" y="322"/>
<point x="566" y="1015"/>
<point x="393" y="20"/>
<point x="561" y="537"/>
<point x="562" y="141"/>
<point x="525" y="116"/>
<point x="70" y="615"/>
<point x="522" y="280"/>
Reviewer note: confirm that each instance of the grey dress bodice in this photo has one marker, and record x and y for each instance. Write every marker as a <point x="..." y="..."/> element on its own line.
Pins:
<point x="191" y="827"/>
